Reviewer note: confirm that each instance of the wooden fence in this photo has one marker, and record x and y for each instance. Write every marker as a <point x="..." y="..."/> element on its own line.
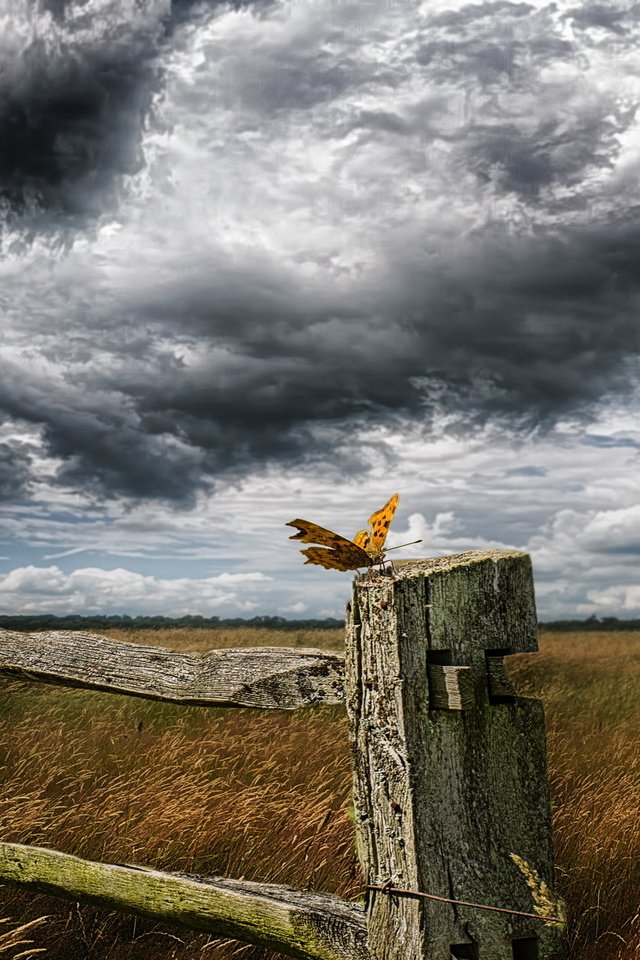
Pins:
<point x="450" y="785"/>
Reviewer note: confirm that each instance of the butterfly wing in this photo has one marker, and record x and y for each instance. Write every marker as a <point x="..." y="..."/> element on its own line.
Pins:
<point x="380" y="521"/>
<point x="343" y="556"/>
<point x="336" y="552"/>
<point x="309" y="532"/>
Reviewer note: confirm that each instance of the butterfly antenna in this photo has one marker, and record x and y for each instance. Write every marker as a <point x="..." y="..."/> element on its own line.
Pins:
<point x="400" y="545"/>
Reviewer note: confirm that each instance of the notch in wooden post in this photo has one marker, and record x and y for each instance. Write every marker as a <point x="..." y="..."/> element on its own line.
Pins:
<point x="464" y="951"/>
<point x="525" y="948"/>
<point x="501" y="689"/>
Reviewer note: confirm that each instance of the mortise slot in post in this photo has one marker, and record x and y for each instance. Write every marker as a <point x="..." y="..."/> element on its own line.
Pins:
<point x="501" y="689"/>
<point x="441" y="657"/>
<point x="450" y="685"/>
<point x="525" y="948"/>
<point x="464" y="951"/>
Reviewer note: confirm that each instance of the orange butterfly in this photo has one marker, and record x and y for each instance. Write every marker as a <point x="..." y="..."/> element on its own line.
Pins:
<point x="338" y="553"/>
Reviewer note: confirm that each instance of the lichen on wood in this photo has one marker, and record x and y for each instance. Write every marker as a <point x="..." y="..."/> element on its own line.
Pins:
<point x="307" y="926"/>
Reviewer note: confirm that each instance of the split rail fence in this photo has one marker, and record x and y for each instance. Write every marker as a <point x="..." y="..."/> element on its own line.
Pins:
<point x="450" y="774"/>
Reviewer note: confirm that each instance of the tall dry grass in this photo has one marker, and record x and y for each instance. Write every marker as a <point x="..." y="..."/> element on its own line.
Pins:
<point x="590" y="684"/>
<point x="265" y="795"/>
<point x="239" y="793"/>
<point x="15" y="942"/>
<point x="205" y="639"/>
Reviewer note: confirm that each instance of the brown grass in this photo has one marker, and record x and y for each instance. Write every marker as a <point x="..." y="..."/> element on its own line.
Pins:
<point x="590" y="684"/>
<point x="265" y="795"/>
<point x="205" y="639"/>
<point x="15" y="941"/>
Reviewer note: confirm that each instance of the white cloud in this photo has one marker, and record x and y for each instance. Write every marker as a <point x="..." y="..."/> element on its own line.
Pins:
<point x="617" y="601"/>
<point x="586" y="561"/>
<point x="294" y="608"/>
<point x="94" y="590"/>
<point x="613" y="531"/>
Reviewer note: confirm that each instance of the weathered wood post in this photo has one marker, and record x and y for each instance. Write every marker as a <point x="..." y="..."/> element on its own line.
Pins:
<point x="450" y="766"/>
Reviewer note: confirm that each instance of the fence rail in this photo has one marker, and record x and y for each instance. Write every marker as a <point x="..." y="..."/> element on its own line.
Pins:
<point x="449" y="763"/>
<point x="265" y="677"/>
<point x="306" y="925"/>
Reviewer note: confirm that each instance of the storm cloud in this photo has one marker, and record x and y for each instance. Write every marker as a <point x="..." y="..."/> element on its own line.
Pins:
<point x="74" y="94"/>
<point x="280" y="226"/>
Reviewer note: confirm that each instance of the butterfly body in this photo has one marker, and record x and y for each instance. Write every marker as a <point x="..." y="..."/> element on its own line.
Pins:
<point x="339" y="553"/>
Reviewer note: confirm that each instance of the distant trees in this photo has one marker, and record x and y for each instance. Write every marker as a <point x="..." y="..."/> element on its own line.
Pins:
<point x="592" y="623"/>
<point x="49" y="621"/>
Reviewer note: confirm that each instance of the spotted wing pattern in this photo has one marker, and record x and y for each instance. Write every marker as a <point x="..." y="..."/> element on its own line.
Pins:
<point x="336" y="552"/>
<point x="362" y="539"/>
<point x="380" y="521"/>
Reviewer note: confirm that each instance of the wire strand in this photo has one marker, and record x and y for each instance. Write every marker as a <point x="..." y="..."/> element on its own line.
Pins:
<point x="385" y="888"/>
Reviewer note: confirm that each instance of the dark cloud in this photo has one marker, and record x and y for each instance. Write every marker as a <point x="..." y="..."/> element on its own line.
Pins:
<point x="564" y="138"/>
<point x="15" y="471"/>
<point x="74" y="93"/>
<point x="609" y="17"/>
<point x="492" y="42"/>
<point x="489" y="60"/>
<point x="493" y="13"/>
<point x="519" y="333"/>
<point x="101" y="438"/>
<point x="551" y="153"/>
<point x="194" y="11"/>
<point x="526" y="331"/>
<point x="182" y="362"/>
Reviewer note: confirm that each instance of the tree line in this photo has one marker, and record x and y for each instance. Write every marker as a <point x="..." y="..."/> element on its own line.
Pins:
<point x="46" y="621"/>
<point x="592" y="623"/>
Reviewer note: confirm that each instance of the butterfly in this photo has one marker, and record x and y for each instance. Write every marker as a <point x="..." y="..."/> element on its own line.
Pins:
<point x="338" y="553"/>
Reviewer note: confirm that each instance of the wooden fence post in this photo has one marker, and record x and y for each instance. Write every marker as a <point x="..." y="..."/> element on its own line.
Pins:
<point x="450" y="766"/>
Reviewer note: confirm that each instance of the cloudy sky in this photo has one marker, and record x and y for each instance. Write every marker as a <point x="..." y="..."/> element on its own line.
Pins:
<point x="281" y="259"/>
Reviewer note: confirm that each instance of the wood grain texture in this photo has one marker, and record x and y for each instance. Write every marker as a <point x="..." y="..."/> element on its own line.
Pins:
<point x="443" y="797"/>
<point x="308" y="926"/>
<point x="450" y="688"/>
<point x="267" y="677"/>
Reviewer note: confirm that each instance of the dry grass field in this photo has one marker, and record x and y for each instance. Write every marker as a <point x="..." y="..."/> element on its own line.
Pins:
<point x="266" y="795"/>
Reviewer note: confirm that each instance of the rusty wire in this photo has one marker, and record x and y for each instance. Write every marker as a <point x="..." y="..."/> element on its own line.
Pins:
<point x="387" y="888"/>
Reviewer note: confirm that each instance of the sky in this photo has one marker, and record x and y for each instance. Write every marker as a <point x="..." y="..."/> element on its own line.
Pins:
<point x="273" y="260"/>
